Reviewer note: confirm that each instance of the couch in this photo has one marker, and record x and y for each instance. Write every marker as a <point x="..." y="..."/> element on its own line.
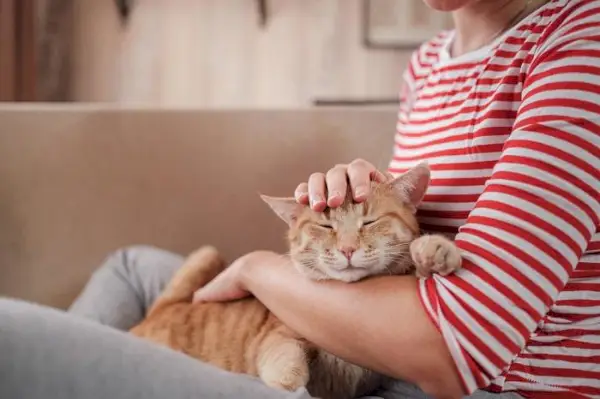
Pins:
<point x="79" y="181"/>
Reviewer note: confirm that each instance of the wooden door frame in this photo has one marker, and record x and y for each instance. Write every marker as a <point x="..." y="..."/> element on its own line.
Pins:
<point x="18" y="54"/>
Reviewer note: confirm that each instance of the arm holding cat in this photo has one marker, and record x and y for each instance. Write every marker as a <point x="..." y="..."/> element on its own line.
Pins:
<point x="378" y="323"/>
<point x="383" y="323"/>
<point x="398" y="339"/>
<point x="522" y="241"/>
<point x="370" y="338"/>
<point x="517" y="257"/>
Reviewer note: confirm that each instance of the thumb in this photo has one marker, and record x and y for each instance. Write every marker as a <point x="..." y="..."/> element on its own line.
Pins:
<point x="207" y="294"/>
<point x="198" y="296"/>
<point x="219" y="293"/>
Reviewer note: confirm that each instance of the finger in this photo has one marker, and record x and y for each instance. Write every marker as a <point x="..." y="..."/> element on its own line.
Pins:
<point x="199" y="296"/>
<point x="359" y="174"/>
<point x="216" y="291"/>
<point x="210" y="291"/>
<point x="337" y="184"/>
<point x="204" y="295"/>
<point x="301" y="194"/>
<point x="380" y="177"/>
<point x="316" y="192"/>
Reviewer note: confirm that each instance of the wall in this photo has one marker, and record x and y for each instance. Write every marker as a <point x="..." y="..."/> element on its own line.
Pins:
<point x="212" y="53"/>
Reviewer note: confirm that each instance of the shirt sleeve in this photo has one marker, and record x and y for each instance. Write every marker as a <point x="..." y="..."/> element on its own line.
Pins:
<point x="530" y="227"/>
<point x="407" y="89"/>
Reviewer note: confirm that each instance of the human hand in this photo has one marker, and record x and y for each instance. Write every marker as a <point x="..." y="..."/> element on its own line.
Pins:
<point x="230" y="284"/>
<point x="329" y="189"/>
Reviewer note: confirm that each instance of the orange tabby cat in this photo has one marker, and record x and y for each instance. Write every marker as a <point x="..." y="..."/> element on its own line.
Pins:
<point x="355" y="241"/>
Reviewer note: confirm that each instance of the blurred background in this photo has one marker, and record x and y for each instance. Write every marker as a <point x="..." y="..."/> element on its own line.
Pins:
<point x="210" y="53"/>
<point x="116" y="115"/>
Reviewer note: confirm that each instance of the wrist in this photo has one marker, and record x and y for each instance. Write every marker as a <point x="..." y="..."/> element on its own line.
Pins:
<point x="258" y="267"/>
<point x="245" y="271"/>
<point x="249" y="265"/>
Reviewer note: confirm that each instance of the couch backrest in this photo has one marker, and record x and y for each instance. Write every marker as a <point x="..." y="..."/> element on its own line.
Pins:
<point x="79" y="182"/>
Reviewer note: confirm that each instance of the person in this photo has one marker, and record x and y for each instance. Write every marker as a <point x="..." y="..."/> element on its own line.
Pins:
<point x="506" y="110"/>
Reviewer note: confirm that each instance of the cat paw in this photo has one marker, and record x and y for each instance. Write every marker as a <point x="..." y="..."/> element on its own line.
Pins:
<point x="434" y="254"/>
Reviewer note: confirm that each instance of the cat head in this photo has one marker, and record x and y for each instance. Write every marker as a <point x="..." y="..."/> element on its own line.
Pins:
<point x="356" y="240"/>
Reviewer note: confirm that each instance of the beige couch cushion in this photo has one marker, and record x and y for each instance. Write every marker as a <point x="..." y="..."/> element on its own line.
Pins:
<point x="78" y="182"/>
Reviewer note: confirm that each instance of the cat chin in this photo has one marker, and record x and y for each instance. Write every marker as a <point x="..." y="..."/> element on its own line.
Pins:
<point x="311" y="273"/>
<point x="351" y="275"/>
<point x="347" y="275"/>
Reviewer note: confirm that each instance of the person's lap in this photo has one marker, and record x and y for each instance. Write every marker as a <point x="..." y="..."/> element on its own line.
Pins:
<point x="62" y="348"/>
<point x="122" y="289"/>
<point x="47" y="353"/>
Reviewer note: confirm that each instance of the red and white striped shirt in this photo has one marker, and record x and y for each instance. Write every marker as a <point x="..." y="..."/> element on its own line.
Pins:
<point x="512" y="135"/>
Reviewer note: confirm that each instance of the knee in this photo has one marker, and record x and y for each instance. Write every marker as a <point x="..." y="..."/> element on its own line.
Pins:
<point x="12" y="305"/>
<point x="5" y="306"/>
<point x="9" y="308"/>
<point x="135" y="253"/>
<point x="12" y="309"/>
<point x="139" y="258"/>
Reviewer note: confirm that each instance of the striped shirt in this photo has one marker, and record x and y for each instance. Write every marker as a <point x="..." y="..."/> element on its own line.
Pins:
<point x="512" y="135"/>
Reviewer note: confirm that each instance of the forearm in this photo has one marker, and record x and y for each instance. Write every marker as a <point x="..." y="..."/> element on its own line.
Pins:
<point x="378" y="323"/>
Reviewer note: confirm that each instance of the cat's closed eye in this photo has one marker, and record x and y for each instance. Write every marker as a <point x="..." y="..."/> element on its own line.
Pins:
<point x="368" y="222"/>
<point x="325" y="226"/>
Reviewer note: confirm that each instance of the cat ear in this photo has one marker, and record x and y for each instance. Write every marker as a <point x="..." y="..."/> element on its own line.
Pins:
<point x="286" y="208"/>
<point x="412" y="185"/>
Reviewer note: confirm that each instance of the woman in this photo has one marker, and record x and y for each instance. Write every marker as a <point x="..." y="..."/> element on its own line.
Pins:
<point x="506" y="109"/>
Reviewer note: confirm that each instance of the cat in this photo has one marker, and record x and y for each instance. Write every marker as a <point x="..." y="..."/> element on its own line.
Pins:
<point x="349" y="243"/>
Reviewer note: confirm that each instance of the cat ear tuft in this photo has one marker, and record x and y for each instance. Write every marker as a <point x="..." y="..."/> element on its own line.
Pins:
<point x="286" y="208"/>
<point x="412" y="184"/>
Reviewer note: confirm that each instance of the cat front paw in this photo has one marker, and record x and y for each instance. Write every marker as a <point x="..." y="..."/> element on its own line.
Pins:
<point x="434" y="254"/>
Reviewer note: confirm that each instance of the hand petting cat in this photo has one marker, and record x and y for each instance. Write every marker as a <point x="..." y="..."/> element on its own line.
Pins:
<point x="329" y="189"/>
<point x="231" y="284"/>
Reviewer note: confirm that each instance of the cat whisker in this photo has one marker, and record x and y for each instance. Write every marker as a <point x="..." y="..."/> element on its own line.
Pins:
<point x="396" y="254"/>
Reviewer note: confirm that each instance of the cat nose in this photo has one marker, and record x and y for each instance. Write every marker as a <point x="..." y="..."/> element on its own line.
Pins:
<point x="348" y="252"/>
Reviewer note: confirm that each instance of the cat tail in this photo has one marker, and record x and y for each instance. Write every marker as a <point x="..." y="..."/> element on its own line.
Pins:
<point x="198" y="269"/>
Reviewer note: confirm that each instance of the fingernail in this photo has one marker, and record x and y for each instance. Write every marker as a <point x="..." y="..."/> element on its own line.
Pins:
<point x="302" y="197"/>
<point x="360" y="192"/>
<point x="198" y="299"/>
<point x="316" y="200"/>
<point x="334" y="195"/>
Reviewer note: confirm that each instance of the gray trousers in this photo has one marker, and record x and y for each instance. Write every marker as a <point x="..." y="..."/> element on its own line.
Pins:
<point x="85" y="353"/>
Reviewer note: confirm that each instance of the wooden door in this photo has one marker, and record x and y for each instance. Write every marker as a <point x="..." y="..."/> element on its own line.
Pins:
<point x="18" y="75"/>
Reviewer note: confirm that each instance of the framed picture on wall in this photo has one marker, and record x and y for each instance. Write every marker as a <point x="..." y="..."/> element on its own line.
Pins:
<point x="401" y="24"/>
